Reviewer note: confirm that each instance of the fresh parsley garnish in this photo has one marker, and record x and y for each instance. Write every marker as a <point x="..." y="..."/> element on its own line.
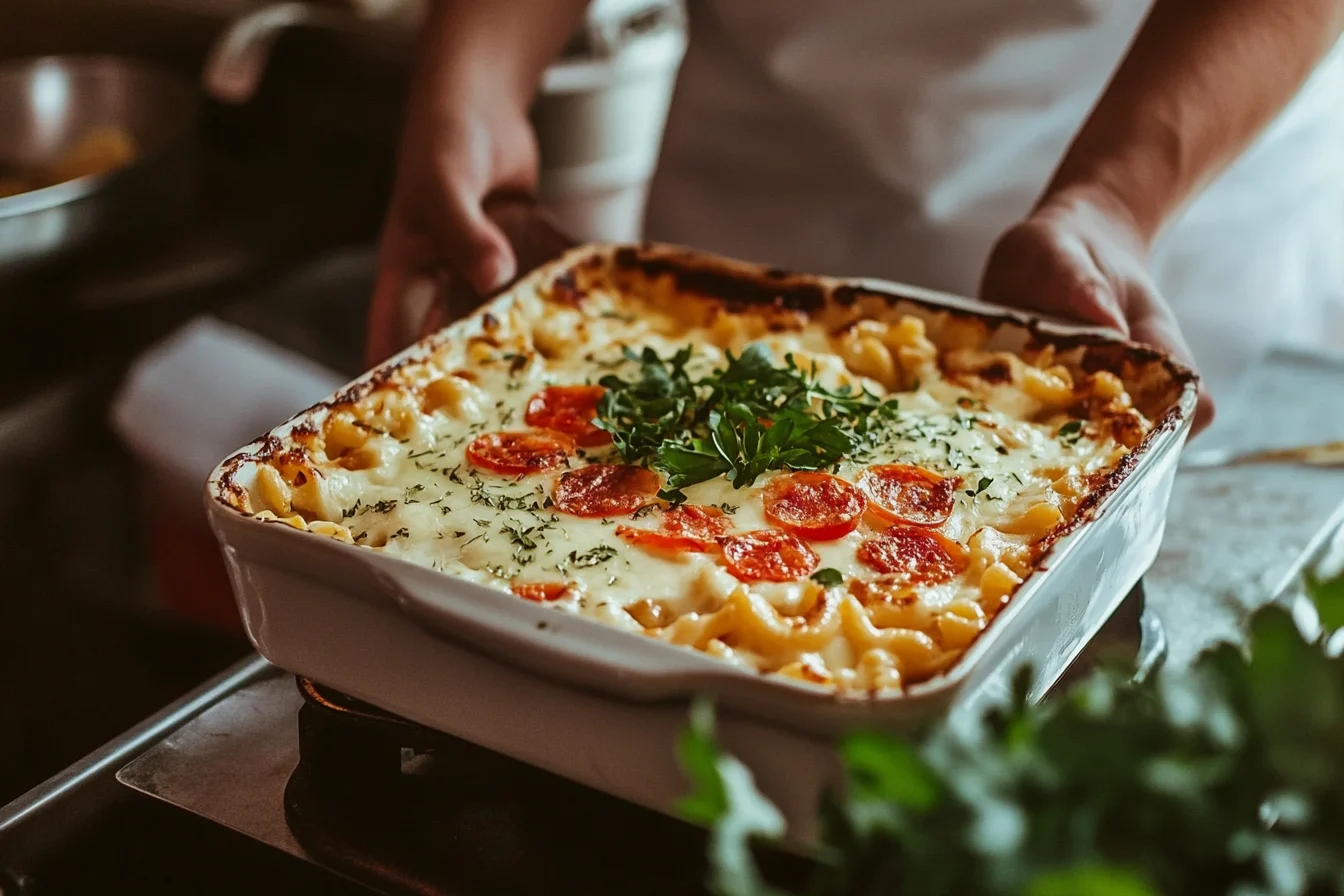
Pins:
<point x="828" y="577"/>
<point x="589" y="558"/>
<point x="984" y="483"/>
<point x="738" y="421"/>
<point x="1070" y="432"/>
<point x="1221" y="776"/>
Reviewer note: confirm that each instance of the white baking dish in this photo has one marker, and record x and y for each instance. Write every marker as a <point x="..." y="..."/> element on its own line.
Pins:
<point x="599" y="705"/>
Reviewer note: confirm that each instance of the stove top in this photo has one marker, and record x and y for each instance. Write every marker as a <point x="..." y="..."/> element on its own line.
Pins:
<point x="399" y="808"/>
<point x="258" y="782"/>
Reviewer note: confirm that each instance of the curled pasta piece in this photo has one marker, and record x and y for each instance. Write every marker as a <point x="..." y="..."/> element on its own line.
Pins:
<point x="762" y="626"/>
<point x="331" y="530"/>
<point x="456" y="397"/>
<point x="699" y="629"/>
<point x="293" y="521"/>
<point x="558" y="332"/>
<point x="273" y="491"/>
<point x="892" y="603"/>
<point x="1038" y="521"/>
<point x="997" y="584"/>
<point x="915" y="651"/>
<point x="963" y="332"/>
<point x="880" y="670"/>
<point x="959" y="624"/>
<point x="809" y="668"/>
<point x="341" y="434"/>
<point x="732" y="331"/>
<point x="866" y="354"/>
<point x="1053" y="388"/>
<point x="651" y="613"/>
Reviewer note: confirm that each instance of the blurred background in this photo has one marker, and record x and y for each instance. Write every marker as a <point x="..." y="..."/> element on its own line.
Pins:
<point x="188" y="189"/>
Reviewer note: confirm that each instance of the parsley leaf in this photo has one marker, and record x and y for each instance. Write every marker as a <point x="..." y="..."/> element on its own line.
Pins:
<point x="739" y="421"/>
<point x="725" y="795"/>
<point x="1070" y="432"/>
<point x="828" y="577"/>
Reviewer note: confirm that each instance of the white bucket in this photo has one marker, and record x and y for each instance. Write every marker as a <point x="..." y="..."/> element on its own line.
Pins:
<point x="599" y="127"/>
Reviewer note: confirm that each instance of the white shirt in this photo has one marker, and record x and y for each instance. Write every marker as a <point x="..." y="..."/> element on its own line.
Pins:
<point x="899" y="138"/>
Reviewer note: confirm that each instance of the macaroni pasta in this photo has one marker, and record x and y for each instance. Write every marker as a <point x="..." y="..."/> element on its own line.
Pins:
<point x="483" y="456"/>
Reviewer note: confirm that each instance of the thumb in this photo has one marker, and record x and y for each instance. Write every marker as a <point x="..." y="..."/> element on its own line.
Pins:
<point x="472" y="245"/>
<point x="1036" y="268"/>
<point x="1157" y="327"/>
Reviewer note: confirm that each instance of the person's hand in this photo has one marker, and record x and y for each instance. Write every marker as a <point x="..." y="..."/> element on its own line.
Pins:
<point x="461" y="144"/>
<point x="1078" y="256"/>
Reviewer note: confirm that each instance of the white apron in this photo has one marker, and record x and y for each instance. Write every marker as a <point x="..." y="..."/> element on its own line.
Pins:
<point x="899" y="138"/>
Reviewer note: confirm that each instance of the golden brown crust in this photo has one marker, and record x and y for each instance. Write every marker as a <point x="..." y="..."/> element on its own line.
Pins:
<point x="783" y="300"/>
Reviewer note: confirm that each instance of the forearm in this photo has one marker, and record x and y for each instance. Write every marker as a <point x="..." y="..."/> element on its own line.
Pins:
<point x="1201" y="80"/>
<point x="505" y="44"/>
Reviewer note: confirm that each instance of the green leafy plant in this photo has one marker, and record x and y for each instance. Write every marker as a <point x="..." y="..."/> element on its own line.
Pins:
<point x="1226" y="777"/>
<point x="739" y="421"/>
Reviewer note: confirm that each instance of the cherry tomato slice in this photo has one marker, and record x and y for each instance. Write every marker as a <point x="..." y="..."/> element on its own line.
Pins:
<point x="903" y="493"/>
<point x="605" y="490"/>
<point x="689" y="527"/>
<point x="568" y="409"/>
<point x="913" y="554"/>
<point x="513" y="453"/>
<point x="768" y="555"/>
<point x="818" y="506"/>
<point x="540" y="592"/>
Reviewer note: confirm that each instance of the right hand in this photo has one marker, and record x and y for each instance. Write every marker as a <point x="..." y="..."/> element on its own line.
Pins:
<point x="460" y="144"/>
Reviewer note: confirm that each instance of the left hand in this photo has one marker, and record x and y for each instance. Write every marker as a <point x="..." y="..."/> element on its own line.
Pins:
<point x="1079" y="256"/>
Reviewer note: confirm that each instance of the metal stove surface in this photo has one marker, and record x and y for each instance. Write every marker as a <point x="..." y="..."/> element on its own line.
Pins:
<point x="402" y="809"/>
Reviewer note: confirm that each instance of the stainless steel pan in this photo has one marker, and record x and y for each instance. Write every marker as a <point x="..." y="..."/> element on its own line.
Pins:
<point x="49" y="104"/>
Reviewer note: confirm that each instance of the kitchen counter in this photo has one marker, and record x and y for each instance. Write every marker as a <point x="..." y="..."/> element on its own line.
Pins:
<point x="1237" y="536"/>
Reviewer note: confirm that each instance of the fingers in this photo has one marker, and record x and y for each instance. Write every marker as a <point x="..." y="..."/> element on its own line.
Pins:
<point x="470" y="243"/>
<point x="1036" y="267"/>
<point x="454" y="245"/>
<point x="1153" y="324"/>
<point x="401" y="258"/>
<point x="1041" y="265"/>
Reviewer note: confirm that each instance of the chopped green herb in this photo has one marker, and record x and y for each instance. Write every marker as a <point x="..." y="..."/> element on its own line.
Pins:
<point x="739" y="421"/>
<point x="828" y="577"/>
<point x="984" y="483"/>
<point x="516" y="362"/>
<point x="481" y="494"/>
<point x="593" y="557"/>
<point x="1070" y="432"/>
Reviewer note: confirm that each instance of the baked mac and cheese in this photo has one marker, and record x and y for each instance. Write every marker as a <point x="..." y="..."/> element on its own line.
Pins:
<point x="845" y="493"/>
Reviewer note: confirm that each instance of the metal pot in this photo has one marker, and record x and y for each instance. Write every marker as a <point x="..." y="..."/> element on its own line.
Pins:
<point x="49" y="104"/>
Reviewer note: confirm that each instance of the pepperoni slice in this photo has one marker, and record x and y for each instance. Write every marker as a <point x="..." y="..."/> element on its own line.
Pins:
<point x="513" y="453"/>
<point x="571" y="410"/>
<point x="605" y="490"/>
<point x="903" y="493"/>
<point x="540" y="592"/>
<point x="690" y="527"/>
<point x="769" y="555"/>
<point x="814" y="505"/>
<point x="915" y="555"/>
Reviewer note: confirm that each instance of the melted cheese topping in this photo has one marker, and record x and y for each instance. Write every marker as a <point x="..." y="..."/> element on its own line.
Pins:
<point x="1025" y="440"/>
